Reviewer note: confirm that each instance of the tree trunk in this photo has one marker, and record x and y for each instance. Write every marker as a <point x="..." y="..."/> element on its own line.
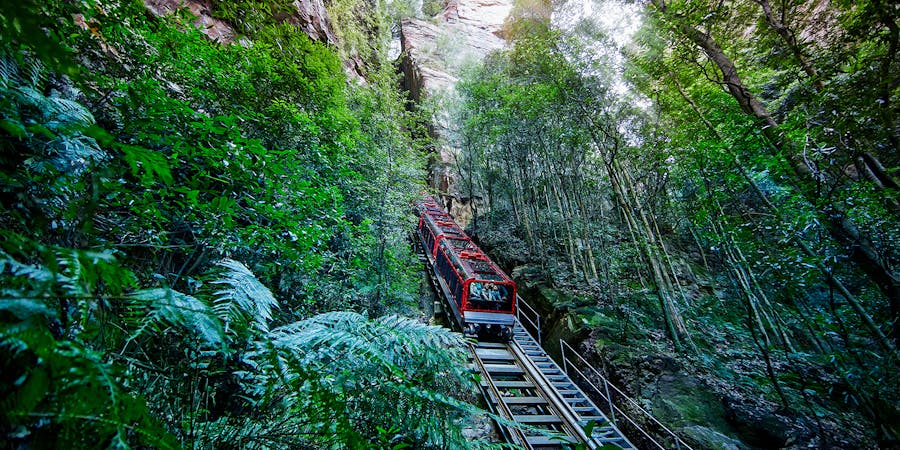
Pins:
<point x="806" y="179"/>
<point x="787" y="35"/>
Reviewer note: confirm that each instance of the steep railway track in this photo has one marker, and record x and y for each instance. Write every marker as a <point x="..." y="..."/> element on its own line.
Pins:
<point x="540" y="407"/>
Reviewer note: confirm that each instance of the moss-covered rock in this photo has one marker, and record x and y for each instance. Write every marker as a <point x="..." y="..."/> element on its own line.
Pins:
<point x="709" y="438"/>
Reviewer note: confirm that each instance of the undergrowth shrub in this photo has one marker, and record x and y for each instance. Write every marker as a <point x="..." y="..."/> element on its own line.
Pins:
<point x="140" y="162"/>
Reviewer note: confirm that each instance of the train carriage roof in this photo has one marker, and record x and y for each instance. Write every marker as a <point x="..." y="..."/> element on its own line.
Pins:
<point x="428" y="204"/>
<point x="472" y="261"/>
<point x="443" y="225"/>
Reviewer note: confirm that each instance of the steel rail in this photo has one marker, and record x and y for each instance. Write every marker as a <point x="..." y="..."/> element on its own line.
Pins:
<point x="570" y="419"/>
<point x="545" y="405"/>
<point x="513" y="434"/>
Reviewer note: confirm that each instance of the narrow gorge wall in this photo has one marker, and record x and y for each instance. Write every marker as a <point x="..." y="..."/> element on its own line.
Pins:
<point x="308" y="16"/>
<point x="433" y="54"/>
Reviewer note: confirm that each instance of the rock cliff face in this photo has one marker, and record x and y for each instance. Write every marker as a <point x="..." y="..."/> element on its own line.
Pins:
<point x="433" y="53"/>
<point x="309" y="16"/>
<point x="215" y="29"/>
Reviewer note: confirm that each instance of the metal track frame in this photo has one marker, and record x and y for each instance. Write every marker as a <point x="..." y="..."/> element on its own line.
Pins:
<point x="540" y="406"/>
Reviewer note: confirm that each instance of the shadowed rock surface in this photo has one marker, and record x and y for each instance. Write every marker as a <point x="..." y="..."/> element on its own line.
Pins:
<point x="433" y="53"/>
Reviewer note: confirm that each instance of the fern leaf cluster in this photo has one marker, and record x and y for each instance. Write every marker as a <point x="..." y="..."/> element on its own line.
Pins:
<point x="243" y="299"/>
<point x="169" y="307"/>
<point x="55" y="121"/>
<point x="130" y="190"/>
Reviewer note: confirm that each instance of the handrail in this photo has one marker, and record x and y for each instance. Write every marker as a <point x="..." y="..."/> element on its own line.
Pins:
<point x="613" y="409"/>
<point x="532" y="317"/>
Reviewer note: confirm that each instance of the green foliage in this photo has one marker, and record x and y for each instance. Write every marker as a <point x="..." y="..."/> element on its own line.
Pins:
<point x="747" y="194"/>
<point x="59" y="394"/>
<point x="243" y="298"/>
<point x="359" y="369"/>
<point x="122" y="187"/>
<point x="759" y="226"/>
<point x="57" y="391"/>
<point x="19" y="20"/>
<point x="432" y="8"/>
<point x="168" y="307"/>
<point x="45" y="146"/>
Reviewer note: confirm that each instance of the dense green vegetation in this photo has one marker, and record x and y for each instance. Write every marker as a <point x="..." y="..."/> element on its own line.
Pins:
<point x="739" y="197"/>
<point x="204" y="244"/>
<point x="182" y="220"/>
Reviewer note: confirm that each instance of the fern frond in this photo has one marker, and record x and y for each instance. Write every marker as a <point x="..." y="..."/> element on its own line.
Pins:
<point x="62" y="112"/>
<point x="34" y="273"/>
<point x="388" y="347"/>
<point x="24" y="308"/>
<point x="244" y="300"/>
<point x="286" y="430"/>
<point x="34" y="72"/>
<point x="74" y="154"/>
<point x="414" y="332"/>
<point x="56" y="112"/>
<point x="9" y="71"/>
<point x="167" y="306"/>
<point x="338" y="369"/>
<point x="33" y="98"/>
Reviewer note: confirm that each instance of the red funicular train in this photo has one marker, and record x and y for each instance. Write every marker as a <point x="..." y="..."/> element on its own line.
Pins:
<point x="481" y="297"/>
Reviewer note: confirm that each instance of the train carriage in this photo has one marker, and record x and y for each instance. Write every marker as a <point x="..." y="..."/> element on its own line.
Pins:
<point x="481" y="297"/>
<point x="436" y="226"/>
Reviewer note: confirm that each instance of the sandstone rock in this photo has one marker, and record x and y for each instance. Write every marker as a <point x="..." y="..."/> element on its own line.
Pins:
<point x="215" y="29"/>
<point x="313" y="19"/>
<point x="433" y="53"/>
<point x="712" y="439"/>
<point x="310" y="16"/>
<point x="488" y="15"/>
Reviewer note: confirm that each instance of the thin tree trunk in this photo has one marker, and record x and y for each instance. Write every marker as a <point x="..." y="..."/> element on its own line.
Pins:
<point x="789" y="38"/>
<point x="806" y="179"/>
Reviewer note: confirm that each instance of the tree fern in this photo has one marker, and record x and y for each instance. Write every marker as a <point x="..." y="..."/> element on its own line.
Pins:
<point x="12" y="269"/>
<point x="56" y="122"/>
<point x="8" y="70"/>
<point x="243" y="300"/>
<point x="67" y="391"/>
<point x="74" y="154"/>
<point x="341" y="368"/>
<point x="55" y="112"/>
<point x="170" y="307"/>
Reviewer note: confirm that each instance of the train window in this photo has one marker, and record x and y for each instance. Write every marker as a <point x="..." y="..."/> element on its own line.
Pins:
<point x="451" y="231"/>
<point x="484" y="295"/>
<point x="483" y="266"/>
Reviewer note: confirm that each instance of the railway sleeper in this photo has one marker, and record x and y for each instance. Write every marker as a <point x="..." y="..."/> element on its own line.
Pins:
<point x="546" y="441"/>
<point x="511" y="384"/>
<point x="584" y="409"/>
<point x="503" y="369"/>
<point x="529" y="401"/>
<point x="542" y="419"/>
